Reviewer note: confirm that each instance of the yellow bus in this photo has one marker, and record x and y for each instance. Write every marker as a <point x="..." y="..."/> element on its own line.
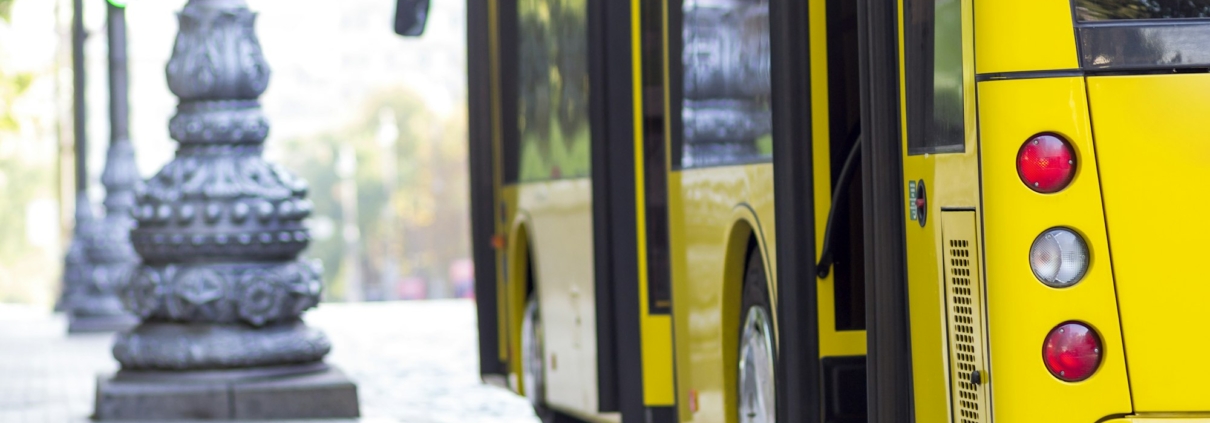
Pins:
<point x="841" y="210"/>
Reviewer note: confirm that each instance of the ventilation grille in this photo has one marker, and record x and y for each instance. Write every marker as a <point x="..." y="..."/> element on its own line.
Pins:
<point x="964" y="314"/>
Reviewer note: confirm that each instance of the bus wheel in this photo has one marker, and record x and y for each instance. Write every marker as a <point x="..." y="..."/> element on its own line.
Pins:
<point x="533" y="366"/>
<point x="757" y="394"/>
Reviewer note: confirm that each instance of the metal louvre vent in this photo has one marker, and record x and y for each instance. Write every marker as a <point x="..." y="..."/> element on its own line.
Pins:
<point x="964" y="315"/>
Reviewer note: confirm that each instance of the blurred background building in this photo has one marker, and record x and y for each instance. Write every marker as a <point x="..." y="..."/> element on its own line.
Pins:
<point x="375" y="122"/>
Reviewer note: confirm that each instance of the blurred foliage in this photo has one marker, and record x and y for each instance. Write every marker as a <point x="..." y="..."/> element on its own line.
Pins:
<point x="553" y="108"/>
<point x="11" y="88"/>
<point x="29" y="256"/>
<point x="416" y="222"/>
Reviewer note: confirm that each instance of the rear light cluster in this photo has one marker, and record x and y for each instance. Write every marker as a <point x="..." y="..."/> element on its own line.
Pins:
<point x="1046" y="163"/>
<point x="1072" y="351"/>
<point x="1058" y="257"/>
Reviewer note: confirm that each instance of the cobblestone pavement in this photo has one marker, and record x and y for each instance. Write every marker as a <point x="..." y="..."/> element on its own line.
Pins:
<point x="412" y="362"/>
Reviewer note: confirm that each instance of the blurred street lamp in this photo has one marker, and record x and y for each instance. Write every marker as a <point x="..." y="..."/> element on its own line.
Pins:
<point x="101" y="255"/>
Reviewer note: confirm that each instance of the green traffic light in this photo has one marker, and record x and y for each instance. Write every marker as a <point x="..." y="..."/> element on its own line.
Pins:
<point x="118" y="3"/>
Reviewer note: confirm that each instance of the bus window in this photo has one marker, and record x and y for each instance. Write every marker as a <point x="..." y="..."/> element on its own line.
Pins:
<point x="933" y="56"/>
<point x="1105" y="10"/>
<point x="725" y="111"/>
<point x="552" y="101"/>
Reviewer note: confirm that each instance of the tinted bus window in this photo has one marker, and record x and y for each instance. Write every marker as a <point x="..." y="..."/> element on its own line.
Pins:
<point x="725" y="109"/>
<point x="1106" y="10"/>
<point x="933" y="54"/>
<point x="553" y="98"/>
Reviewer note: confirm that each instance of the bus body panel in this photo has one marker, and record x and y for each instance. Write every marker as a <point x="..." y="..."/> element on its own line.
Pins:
<point x="1163" y="418"/>
<point x="1153" y="152"/>
<point x="712" y="212"/>
<point x="1021" y="310"/>
<point x="559" y="231"/>
<point x="1023" y="36"/>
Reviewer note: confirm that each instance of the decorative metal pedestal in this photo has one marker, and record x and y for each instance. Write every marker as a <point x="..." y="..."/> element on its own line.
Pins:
<point x="220" y="289"/>
<point x="100" y="253"/>
<point x="95" y="307"/>
<point x="89" y="274"/>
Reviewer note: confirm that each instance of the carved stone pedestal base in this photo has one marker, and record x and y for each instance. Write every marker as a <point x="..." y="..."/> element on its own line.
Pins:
<point x="94" y="324"/>
<point x="309" y="391"/>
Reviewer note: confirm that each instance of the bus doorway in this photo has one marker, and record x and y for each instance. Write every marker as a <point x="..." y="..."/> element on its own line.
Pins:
<point x="842" y="316"/>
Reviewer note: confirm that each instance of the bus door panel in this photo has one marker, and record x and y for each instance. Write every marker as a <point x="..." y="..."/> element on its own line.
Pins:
<point x="839" y="196"/>
<point x="942" y="212"/>
<point x="836" y="131"/>
<point x="486" y="224"/>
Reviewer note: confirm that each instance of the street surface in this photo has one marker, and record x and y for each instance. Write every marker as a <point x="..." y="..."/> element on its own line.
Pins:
<point x="412" y="362"/>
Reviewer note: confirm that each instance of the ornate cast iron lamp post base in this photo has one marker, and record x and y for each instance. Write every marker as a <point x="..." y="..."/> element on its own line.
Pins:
<point x="220" y="289"/>
<point x="100" y="255"/>
<point x="88" y="297"/>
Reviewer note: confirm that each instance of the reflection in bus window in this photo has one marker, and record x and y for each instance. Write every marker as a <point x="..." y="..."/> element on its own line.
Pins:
<point x="726" y="110"/>
<point x="553" y="104"/>
<point x="1103" y="10"/>
<point x="933" y="53"/>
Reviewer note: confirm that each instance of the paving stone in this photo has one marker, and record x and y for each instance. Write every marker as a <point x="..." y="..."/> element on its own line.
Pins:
<point x="413" y="362"/>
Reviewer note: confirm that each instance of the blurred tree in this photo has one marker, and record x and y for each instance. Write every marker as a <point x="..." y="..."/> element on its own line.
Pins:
<point x="29" y="251"/>
<point x="411" y="195"/>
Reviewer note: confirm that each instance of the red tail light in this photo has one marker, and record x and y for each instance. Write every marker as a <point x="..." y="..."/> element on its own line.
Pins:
<point x="1046" y="163"/>
<point x="1072" y="351"/>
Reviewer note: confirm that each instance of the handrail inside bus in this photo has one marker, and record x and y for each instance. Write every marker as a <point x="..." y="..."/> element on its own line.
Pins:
<point x="825" y="259"/>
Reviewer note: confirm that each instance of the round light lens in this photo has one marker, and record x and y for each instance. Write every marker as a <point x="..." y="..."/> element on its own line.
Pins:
<point x="1046" y="163"/>
<point x="1059" y="257"/>
<point x="1072" y="351"/>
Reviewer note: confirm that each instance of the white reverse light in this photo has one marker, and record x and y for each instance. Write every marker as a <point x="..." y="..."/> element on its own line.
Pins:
<point x="1059" y="257"/>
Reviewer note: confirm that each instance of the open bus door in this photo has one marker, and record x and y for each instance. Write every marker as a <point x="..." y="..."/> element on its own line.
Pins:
<point x="620" y="319"/>
<point x="484" y="188"/>
<point x="862" y="68"/>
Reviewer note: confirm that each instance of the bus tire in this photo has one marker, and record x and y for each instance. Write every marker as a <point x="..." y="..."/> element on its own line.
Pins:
<point x="533" y="363"/>
<point x="757" y="352"/>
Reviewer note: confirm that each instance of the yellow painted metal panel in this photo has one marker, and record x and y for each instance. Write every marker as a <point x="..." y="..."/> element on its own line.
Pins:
<point x="1154" y="159"/>
<point x="712" y="212"/>
<point x="1163" y="418"/>
<point x="964" y="315"/>
<point x="1024" y="35"/>
<point x="1020" y="309"/>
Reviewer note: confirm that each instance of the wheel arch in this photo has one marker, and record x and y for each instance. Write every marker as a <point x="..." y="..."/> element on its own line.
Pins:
<point x="520" y="284"/>
<point x="744" y="235"/>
